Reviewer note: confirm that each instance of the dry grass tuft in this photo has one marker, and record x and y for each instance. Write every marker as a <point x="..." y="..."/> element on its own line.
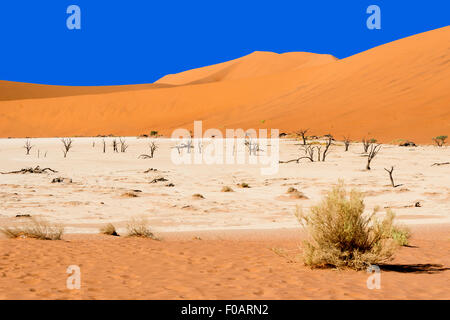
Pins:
<point x="243" y="185"/>
<point x="35" y="229"/>
<point x="295" y="194"/>
<point x="109" y="230"/>
<point x="129" y="195"/>
<point x="227" y="189"/>
<point x="341" y="235"/>
<point x="139" y="228"/>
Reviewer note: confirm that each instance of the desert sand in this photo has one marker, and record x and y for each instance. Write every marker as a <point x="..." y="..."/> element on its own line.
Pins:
<point x="395" y="91"/>
<point x="100" y="182"/>
<point x="239" y="265"/>
<point x="230" y="245"/>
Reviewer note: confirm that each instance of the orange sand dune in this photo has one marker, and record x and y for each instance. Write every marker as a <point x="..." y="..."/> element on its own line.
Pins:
<point x="250" y="66"/>
<point x="19" y="91"/>
<point x="398" y="90"/>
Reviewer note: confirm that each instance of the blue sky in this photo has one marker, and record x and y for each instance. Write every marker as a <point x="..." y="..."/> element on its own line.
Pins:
<point x="139" y="41"/>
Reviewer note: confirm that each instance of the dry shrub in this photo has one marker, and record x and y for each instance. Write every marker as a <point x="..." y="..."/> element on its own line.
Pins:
<point x="295" y="194"/>
<point x="109" y="230"/>
<point x="129" y="195"/>
<point x="227" y="189"/>
<point x="139" y="228"/>
<point x="198" y="196"/>
<point x="341" y="235"/>
<point x="35" y="229"/>
<point x="243" y="185"/>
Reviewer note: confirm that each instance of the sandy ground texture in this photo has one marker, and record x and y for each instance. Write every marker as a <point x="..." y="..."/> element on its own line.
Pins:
<point x="227" y="245"/>
<point x="218" y="265"/>
<point x="395" y="91"/>
<point x="99" y="188"/>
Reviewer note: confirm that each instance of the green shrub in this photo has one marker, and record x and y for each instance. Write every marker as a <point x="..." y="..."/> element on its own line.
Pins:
<point x="400" y="235"/>
<point x="440" y="140"/>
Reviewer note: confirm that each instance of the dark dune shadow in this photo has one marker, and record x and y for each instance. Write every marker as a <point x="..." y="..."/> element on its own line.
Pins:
<point x="414" y="268"/>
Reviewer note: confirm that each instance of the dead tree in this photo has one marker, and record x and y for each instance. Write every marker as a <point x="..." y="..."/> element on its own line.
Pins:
<point x="253" y="147"/>
<point x="67" y="143"/>
<point x="104" y="146"/>
<point x="347" y="142"/>
<point x="114" y="144"/>
<point x="390" y="171"/>
<point x="309" y="154"/>
<point x="367" y="143"/>
<point x="302" y="133"/>
<point x="327" y="148"/>
<point x="153" y="147"/>
<point x="123" y="145"/>
<point x="30" y="170"/>
<point x="28" y="146"/>
<point x="372" y="152"/>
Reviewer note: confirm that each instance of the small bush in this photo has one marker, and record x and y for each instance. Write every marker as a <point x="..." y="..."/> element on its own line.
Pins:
<point x="341" y="235"/>
<point x="35" y="229"/>
<point x="400" y="235"/>
<point x="227" y="189"/>
<point x="295" y="194"/>
<point x="129" y="195"/>
<point x="440" y="140"/>
<point x="109" y="230"/>
<point x="243" y="185"/>
<point x="139" y="228"/>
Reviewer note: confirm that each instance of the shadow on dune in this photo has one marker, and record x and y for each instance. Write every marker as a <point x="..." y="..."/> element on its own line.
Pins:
<point x="414" y="268"/>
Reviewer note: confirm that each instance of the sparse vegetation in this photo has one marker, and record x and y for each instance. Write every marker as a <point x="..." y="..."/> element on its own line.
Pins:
<point x="227" y="189"/>
<point x="390" y="171"/>
<point x="367" y="143"/>
<point x="114" y="145"/>
<point x="295" y="194"/>
<point x="123" y="145"/>
<point x="243" y="185"/>
<point x="153" y="147"/>
<point x="302" y="133"/>
<point x="28" y="146"/>
<point x="440" y="140"/>
<point x="347" y="142"/>
<point x="129" y="194"/>
<point x="67" y="144"/>
<point x="37" y="169"/>
<point x="153" y="133"/>
<point x="35" y="229"/>
<point x="372" y="152"/>
<point x="139" y="228"/>
<point x="341" y="235"/>
<point x="400" y="235"/>
<point x="109" y="230"/>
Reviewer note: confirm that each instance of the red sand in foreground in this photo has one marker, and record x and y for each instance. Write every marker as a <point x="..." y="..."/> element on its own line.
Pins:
<point x="399" y="90"/>
<point x="216" y="267"/>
